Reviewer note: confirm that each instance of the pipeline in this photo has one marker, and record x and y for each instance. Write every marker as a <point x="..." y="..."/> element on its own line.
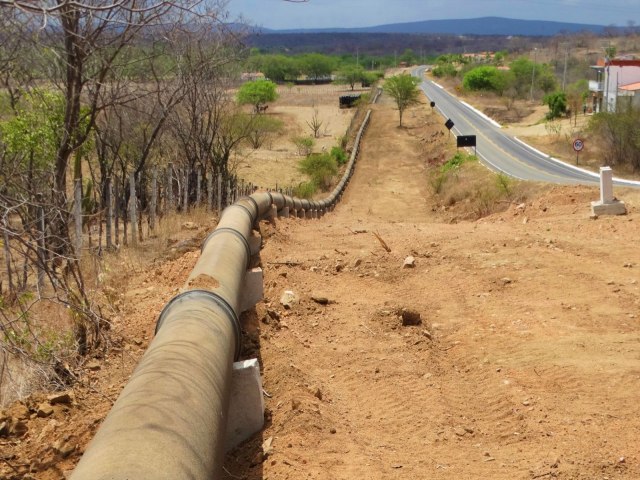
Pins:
<point x="169" y="421"/>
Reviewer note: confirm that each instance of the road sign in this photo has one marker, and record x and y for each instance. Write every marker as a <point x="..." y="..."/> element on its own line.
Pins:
<point x="578" y="145"/>
<point x="466" y="141"/>
<point x="449" y="124"/>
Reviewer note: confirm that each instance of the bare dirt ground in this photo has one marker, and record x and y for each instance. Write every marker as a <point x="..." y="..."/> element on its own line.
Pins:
<point x="277" y="160"/>
<point x="526" y="363"/>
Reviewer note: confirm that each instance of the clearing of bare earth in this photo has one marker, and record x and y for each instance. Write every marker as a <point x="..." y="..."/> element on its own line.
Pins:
<point x="298" y="108"/>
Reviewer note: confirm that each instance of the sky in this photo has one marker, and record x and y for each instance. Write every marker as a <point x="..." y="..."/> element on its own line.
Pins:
<point x="280" y="14"/>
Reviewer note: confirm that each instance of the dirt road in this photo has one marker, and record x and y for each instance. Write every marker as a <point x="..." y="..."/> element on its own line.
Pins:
<point x="527" y="361"/>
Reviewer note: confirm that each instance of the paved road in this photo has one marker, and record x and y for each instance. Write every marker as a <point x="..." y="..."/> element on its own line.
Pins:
<point x="502" y="152"/>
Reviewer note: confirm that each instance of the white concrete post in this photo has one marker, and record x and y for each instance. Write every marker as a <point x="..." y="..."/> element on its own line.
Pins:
<point x="606" y="185"/>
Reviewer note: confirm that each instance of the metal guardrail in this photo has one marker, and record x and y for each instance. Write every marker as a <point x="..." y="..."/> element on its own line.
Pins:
<point x="169" y="421"/>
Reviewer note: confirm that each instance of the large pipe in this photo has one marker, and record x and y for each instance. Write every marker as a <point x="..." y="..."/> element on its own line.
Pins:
<point x="169" y="421"/>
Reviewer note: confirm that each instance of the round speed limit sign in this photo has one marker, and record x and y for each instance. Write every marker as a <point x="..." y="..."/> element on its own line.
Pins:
<point x="578" y="145"/>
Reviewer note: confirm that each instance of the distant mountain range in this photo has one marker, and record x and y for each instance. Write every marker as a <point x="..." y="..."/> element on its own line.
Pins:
<point x="471" y="26"/>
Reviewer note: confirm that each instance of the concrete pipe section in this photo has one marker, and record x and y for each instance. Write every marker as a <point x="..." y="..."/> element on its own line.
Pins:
<point x="169" y="421"/>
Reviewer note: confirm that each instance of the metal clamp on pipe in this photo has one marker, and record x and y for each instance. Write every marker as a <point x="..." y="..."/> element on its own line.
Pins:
<point x="226" y="230"/>
<point x="210" y="296"/>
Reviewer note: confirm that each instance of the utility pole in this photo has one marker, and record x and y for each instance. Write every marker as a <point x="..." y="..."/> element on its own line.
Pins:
<point x="533" y="70"/>
<point x="564" y="73"/>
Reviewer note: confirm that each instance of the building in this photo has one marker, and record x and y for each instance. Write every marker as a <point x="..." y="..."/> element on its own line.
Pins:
<point x="617" y="83"/>
<point x="629" y="95"/>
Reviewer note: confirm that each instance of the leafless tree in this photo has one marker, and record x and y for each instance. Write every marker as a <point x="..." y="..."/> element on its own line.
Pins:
<point x="89" y="38"/>
<point x="207" y="124"/>
<point x="101" y="58"/>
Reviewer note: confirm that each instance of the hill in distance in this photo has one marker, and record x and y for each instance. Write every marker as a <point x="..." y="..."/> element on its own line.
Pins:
<point x="470" y="26"/>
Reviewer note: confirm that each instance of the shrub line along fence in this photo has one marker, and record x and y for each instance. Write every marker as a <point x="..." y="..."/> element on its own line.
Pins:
<point x="170" y="419"/>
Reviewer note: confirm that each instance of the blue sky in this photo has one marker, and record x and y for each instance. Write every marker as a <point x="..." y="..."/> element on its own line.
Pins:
<point x="279" y="14"/>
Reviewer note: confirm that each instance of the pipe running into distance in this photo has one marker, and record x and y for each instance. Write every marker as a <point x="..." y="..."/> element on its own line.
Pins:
<point x="169" y="421"/>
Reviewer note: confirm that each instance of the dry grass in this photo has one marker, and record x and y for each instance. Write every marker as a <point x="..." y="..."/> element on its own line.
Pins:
<point x="20" y="377"/>
<point x="472" y="191"/>
<point x="46" y="335"/>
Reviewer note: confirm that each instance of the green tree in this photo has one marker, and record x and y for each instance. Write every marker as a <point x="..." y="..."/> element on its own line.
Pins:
<point x="445" y="70"/>
<point x="557" y="103"/>
<point x="525" y="71"/>
<point x="408" y="57"/>
<point x="404" y="90"/>
<point x="278" y="68"/>
<point x="321" y="167"/>
<point x="522" y="69"/>
<point x="257" y="93"/>
<point x="487" y="78"/>
<point x="500" y="57"/>
<point x="316" y="65"/>
<point x="350" y="75"/>
<point x="618" y="136"/>
<point x="34" y="132"/>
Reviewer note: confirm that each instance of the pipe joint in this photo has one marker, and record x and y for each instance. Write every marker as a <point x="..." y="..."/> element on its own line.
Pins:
<point x="212" y="297"/>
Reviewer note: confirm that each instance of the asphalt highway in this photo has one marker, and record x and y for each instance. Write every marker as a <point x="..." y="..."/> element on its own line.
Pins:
<point x="502" y="152"/>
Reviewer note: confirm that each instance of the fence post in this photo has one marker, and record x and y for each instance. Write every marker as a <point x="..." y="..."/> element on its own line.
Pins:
<point x="116" y="208"/>
<point x="42" y="252"/>
<point x="77" y="214"/>
<point x="219" y="194"/>
<point x="133" y="213"/>
<point x="185" y="206"/>
<point x="169" y="187"/>
<point x="198" y="191"/>
<point x="210" y="191"/>
<point x="154" y="199"/>
<point x="7" y="253"/>
<point x="109" y="212"/>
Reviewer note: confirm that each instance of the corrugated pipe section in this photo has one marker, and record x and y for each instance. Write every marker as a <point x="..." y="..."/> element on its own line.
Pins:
<point x="169" y="421"/>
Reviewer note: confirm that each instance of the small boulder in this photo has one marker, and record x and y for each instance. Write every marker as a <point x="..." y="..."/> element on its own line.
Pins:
<point x="409" y="262"/>
<point x="44" y="410"/>
<point x="320" y="298"/>
<point x="267" y="446"/>
<point x="18" y="411"/>
<point x="64" y="449"/>
<point x="288" y="299"/>
<point x="65" y="398"/>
